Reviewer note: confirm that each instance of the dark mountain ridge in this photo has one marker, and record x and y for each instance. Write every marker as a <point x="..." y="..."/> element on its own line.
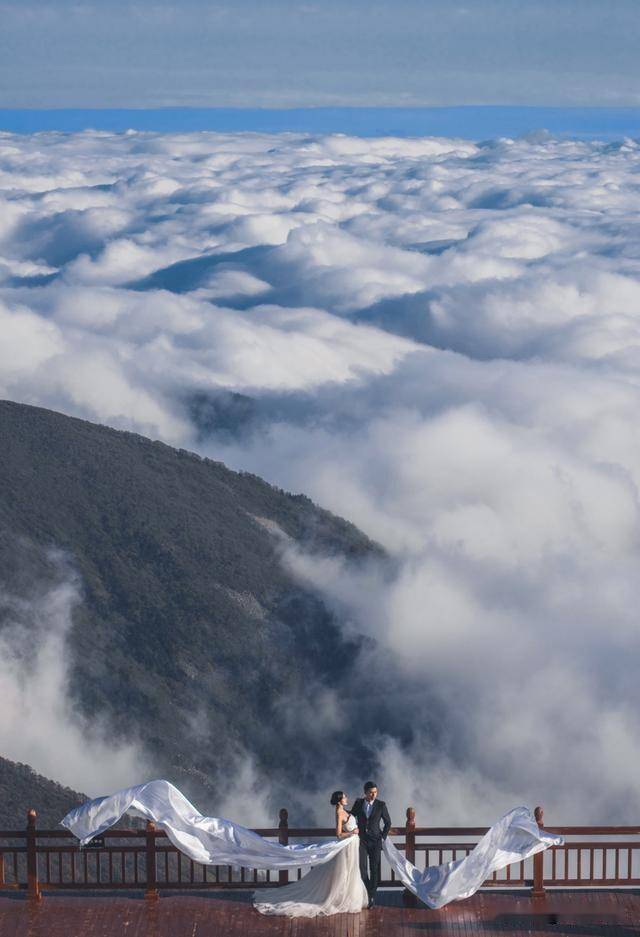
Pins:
<point x="190" y="633"/>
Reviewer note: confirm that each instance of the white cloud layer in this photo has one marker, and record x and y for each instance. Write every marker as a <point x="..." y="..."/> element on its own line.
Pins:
<point x="441" y="342"/>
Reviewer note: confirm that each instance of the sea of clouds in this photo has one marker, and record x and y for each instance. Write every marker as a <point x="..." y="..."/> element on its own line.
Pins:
<point x="436" y="339"/>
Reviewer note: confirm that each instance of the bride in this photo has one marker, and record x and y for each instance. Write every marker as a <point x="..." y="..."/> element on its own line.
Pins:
<point x="335" y="887"/>
<point x="334" y="884"/>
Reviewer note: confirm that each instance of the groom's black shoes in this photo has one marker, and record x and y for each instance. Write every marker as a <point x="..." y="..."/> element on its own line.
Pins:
<point x="371" y="903"/>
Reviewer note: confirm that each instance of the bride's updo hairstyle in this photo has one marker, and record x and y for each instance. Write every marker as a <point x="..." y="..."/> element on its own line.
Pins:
<point x="336" y="797"/>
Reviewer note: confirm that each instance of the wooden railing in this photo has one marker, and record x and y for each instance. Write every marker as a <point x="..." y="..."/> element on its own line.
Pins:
<point x="37" y="860"/>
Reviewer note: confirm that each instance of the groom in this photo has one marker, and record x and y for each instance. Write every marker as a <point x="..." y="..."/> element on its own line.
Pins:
<point x="370" y="813"/>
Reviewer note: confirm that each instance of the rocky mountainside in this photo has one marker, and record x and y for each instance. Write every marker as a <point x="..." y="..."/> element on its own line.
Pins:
<point x="189" y="633"/>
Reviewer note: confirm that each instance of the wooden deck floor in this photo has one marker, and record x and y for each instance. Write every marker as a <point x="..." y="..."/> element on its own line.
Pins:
<point x="576" y="913"/>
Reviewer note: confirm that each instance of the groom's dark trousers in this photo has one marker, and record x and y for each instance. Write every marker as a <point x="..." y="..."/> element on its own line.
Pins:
<point x="371" y="836"/>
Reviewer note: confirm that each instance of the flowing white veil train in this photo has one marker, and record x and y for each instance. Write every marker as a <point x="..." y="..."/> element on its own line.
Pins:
<point x="208" y="840"/>
<point x="215" y="841"/>
<point x="515" y="836"/>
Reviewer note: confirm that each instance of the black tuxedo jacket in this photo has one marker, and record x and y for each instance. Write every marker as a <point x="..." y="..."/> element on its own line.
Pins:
<point x="369" y="827"/>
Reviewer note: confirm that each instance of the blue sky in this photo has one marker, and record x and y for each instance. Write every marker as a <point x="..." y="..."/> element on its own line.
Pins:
<point x="279" y="53"/>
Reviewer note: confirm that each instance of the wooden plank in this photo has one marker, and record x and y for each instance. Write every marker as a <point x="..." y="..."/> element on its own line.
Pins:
<point x="490" y="913"/>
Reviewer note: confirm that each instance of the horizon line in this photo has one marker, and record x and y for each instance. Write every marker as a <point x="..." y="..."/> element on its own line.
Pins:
<point x="462" y="121"/>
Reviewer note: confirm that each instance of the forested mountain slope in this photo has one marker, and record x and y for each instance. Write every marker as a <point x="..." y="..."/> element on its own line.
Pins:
<point x="22" y="789"/>
<point x="189" y="634"/>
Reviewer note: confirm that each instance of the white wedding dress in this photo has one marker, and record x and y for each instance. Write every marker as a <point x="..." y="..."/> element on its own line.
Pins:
<point x="333" y="885"/>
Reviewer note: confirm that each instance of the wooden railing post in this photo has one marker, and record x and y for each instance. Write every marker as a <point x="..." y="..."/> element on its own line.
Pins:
<point x="538" y="861"/>
<point x="152" y="891"/>
<point x="283" y="839"/>
<point x="408" y="898"/>
<point x="33" y="885"/>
